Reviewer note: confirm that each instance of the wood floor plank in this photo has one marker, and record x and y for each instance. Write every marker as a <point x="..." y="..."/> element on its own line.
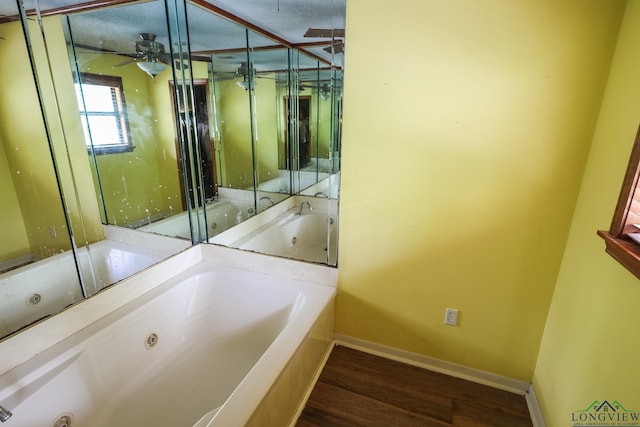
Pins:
<point x="425" y="380"/>
<point x="403" y="392"/>
<point x="469" y="413"/>
<point x="360" y="389"/>
<point x="312" y="417"/>
<point x="364" y="411"/>
<point x="420" y="380"/>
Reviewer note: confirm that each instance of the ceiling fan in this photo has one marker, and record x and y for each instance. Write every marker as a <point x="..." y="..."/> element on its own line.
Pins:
<point x="243" y="71"/>
<point x="150" y="56"/>
<point x="246" y="72"/>
<point x="336" y="46"/>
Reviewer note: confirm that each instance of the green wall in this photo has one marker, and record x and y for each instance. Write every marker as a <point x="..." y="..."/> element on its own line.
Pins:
<point x="590" y="349"/>
<point x="466" y="131"/>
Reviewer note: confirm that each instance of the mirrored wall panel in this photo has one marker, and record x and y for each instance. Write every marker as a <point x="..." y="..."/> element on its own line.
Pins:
<point x="38" y="267"/>
<point x="130" y="130"/>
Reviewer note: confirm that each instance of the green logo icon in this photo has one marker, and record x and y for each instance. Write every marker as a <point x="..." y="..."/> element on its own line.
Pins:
<point x="605" y="414"/>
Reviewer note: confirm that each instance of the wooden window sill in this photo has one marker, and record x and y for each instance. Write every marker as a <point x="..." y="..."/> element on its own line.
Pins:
<point x="623" y="250"/>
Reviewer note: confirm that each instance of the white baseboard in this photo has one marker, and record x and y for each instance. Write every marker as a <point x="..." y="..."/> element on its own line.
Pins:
<point x="459" y="371"/>
<point x="436" y="365"/>
<point x="534" y="408"/>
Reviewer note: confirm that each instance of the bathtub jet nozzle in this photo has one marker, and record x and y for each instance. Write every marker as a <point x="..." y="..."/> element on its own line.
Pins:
<point x="5" y="414"/>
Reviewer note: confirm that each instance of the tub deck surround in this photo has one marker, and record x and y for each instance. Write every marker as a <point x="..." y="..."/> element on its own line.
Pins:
<point x="228" y="323"/>
<point x="35" y="291"/>
<point x="230" y="209"/>
<point x="163" y="244"/>
<point x="221" y="215"/>
<point x="310" y="237"/>
<point x="329" y="187"/>
<point x="281" y="184"/>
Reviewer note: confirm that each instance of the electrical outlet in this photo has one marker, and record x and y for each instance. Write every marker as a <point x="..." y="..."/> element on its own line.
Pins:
<point x="451" y="316"/>
<point x="52" y="231"/>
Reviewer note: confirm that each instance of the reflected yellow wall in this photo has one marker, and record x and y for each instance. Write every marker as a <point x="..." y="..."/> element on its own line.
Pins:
<point x="235" y="132"/>
<point x="166" y="155"/>
<point x="26" y="148"/>
<point x="590" y="348"/>
<point x="319" y="126"/>
<point x="463" y="152"/>
<point x="322" y="120"/>
<point x="142" y="183"/>
<point x="67" y="137"/>
<point x="14" y="242"/>
<point x="266" y="107"/>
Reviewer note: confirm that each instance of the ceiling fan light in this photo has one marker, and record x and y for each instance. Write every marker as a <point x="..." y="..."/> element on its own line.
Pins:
<point x="152" y="68"/>
<point x="244" y="84"/>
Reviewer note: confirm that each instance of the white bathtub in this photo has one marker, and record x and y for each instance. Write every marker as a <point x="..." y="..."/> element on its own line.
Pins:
<point x="221" y="215"/>
<point x="301" y="180"/>
<point x="206" y="347"/>
<point x="312" y="236"/>
<point x="37" y="290"/>
<point x="308" y="237"/>
<point x="327" y="187"/>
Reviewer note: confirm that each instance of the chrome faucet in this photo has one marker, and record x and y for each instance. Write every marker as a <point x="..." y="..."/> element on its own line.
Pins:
<point x="321" y="194"/>
<point x="267" y="198"/>
<point x="5" y="414"/>
<point x="302" y="206"/>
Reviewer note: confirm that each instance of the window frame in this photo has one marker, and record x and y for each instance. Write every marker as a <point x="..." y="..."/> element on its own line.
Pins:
<point x="618" y="244"/>
<point x="121" y="110"/>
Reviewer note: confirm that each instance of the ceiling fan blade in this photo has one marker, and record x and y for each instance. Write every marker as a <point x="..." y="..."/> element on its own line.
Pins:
<point x="325" y="33"/>
<point x="337" y="47"/>
<point x="222" y="76"/>
<point x="165" y="58"/>
<point x="123" y="63"/>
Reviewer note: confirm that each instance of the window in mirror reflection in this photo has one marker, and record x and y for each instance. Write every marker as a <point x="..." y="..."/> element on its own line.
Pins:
<point x="103" y="113"/>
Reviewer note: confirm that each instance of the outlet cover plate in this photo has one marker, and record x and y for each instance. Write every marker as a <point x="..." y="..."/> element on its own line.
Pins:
<point x="451" y="316"/>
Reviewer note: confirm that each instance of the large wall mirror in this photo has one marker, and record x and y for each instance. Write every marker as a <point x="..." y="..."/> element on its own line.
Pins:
<point x="130" y="131"/>
<point x="34" y="228"/>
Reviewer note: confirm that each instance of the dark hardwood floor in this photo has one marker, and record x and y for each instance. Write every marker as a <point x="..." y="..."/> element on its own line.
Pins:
<point x="359" y="389"/>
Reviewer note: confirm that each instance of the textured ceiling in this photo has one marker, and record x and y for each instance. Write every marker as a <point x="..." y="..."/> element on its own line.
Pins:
<point x="117" y="28"/>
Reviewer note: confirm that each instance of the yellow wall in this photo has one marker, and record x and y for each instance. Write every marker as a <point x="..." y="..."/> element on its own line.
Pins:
<point x="466" y="129"/>
<point x="26" y="148"/>
<point x="143" y="182"/>
<point x="321" y="124"/>
<point x="266" y="142"/>
<point x="15" y="241"/>
<point x="235" y="133"/>
<point x="66" y="132"/>
<point x="590" y="348"/>
<point x="165" y="134"/>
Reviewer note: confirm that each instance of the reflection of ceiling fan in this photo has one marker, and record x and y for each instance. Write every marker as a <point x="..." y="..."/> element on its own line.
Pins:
<point x="322" y="88"/>
<point x="150" y="55"/>
<point x="245" y="71"/>
<point x="242" y="71"/>
<point x="337" y="46"/>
